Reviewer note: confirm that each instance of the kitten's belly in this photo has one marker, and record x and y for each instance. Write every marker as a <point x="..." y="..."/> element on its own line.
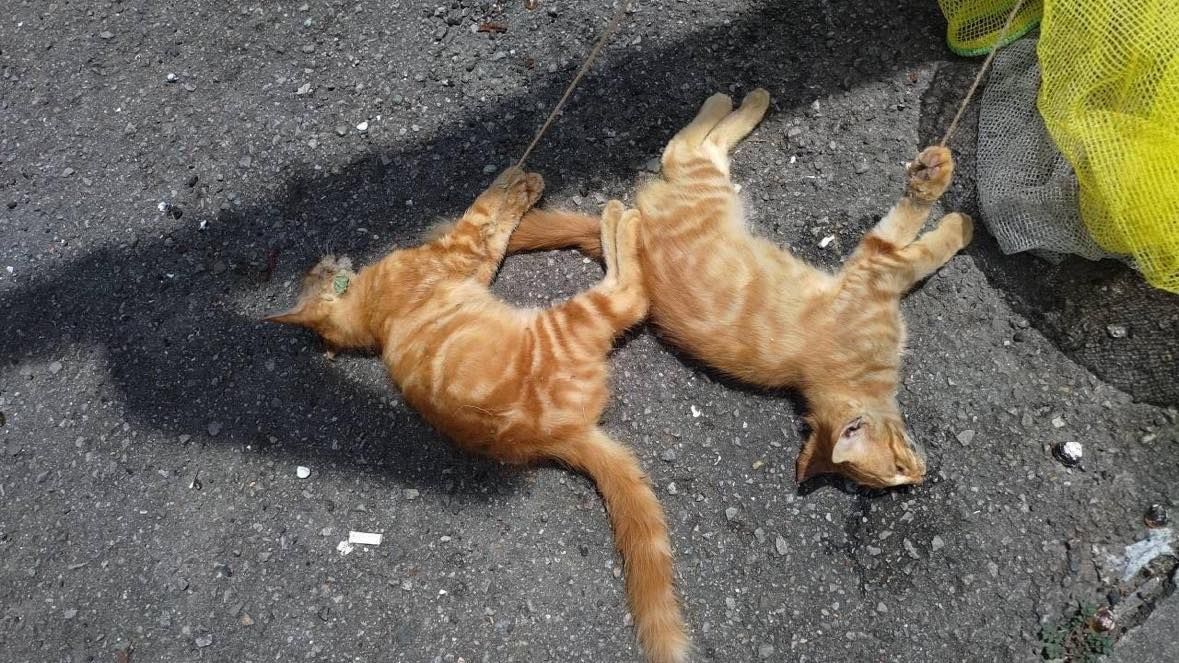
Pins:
<point x="483" y="387"/>
<point x="732" y="304"/>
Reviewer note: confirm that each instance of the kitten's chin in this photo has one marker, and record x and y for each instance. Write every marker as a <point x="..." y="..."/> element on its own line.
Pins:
<point x="905" y="480"/>
<point x="878" y="481"/>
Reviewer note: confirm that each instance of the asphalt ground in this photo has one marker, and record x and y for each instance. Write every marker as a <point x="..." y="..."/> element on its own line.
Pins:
<point x="168" y="170"/>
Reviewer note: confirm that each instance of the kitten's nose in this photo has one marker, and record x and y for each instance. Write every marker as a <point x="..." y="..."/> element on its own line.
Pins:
<point x="919" y="455"/>
<point x="917" y="449"/>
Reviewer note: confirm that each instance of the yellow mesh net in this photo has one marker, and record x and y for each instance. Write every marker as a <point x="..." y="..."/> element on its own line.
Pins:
<point x="974" y="25"/>
<point x="1110" y="100"/>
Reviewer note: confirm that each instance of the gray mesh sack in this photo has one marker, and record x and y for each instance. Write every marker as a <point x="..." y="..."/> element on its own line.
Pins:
<point x="1027" y="190"/>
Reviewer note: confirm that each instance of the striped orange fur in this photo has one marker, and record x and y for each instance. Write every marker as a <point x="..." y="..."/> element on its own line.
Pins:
<point x="757" y="312"/>
<point x="513" y="384"/>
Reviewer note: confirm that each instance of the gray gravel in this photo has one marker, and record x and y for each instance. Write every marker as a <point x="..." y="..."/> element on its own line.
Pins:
<point x="150" y="428"/>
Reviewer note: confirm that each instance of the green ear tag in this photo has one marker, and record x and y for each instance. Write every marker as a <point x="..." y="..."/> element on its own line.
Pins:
<point x="340" y="283"/>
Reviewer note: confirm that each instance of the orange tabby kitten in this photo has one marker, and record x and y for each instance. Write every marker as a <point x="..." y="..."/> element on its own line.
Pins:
<point x="514" y="384"/>
<point x="760" y="314"/>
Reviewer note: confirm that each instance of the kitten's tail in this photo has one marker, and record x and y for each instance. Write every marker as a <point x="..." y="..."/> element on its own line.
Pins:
<point x="557" y="229"/>
<point x="640" y="532"/>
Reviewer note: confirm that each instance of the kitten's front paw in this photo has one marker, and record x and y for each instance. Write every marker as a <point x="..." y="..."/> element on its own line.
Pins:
<point x="520" y="190"/>
<point x="961" y="225"/>
<point x="507" y="176"/>
<point x="929" y="175"/>
<point x="527" y="190"/>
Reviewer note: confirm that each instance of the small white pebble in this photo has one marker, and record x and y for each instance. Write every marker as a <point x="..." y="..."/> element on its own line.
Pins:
<point x="696" y="412"/>
<point x="365" y="538"/>
<point x="363" y="126"/>
<point x="823" y="243"/>
<point x="302" y="472"/>
<point x="781" y="546"/>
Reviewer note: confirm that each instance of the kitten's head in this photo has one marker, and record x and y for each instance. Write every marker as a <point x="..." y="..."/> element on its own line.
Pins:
<point x="871" y="448"/>
<point x="325" y="288"/>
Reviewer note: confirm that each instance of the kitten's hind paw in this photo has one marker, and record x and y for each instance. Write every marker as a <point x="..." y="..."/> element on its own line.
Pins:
<point x="758" y="102"/>
<point x="929" y="175"/>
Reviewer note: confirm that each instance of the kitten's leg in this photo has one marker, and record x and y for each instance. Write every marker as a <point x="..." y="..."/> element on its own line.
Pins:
<point x="715" y="109"/>
<point x="484" y="229"/>
<point x="587" y="324"/>
<point x="682" y="155"/>
<point x="934" y="249"/>
<point x="929" y="177"/>
<point x="520" y="193"/>
<point x="557" y="229"/>
<point x="738" y="124"/>
<point x="623" y="282"/>
<point x="628" y="268"/>
<point x="611" y="216"/>
<point x="704" y="145"/>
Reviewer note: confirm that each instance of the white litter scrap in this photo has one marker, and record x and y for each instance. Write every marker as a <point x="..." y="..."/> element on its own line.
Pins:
<point x="825" y="241"/>
<point x="344" y="548"/>
<point x="365" y="538"/>
<point x="1138" y="555"/>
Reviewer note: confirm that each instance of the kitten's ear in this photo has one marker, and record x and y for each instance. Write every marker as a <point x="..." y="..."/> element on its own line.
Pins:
<point x="810" y="464"/>
<point x="853" y="443"/>
<point x="297" y="316"/>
